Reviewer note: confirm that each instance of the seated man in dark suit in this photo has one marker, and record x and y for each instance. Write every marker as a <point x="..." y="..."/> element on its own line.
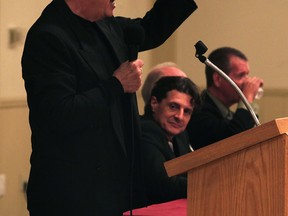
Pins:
<point x="215" y="121"/>
<point x="166" y="116"/>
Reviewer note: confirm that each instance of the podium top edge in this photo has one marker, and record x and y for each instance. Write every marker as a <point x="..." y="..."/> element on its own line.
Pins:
<point x="227" y="146"/>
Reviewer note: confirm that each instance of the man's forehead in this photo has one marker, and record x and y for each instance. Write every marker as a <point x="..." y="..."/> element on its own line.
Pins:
<point x="175" y="96"/>
<point x="239" y="65"/>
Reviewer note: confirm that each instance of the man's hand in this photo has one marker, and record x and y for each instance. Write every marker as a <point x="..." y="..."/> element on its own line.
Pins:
<point x="250" y="87"/>
<point x="129" y="74"/>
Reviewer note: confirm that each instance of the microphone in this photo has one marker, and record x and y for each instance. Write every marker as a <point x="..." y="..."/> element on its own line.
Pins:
<point x="133" y="36"/>
<point x="200" y="50"/>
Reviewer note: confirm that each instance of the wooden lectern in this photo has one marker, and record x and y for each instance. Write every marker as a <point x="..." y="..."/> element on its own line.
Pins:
<point x="243" y="175"/>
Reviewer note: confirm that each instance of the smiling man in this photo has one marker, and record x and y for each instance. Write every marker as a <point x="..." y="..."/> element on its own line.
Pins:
<point x="172" y="102"/>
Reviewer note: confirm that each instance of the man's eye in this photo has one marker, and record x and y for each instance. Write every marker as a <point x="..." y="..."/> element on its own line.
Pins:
<point x="241" y="76"/>
<point x="188" y="112"/>
<point x="173" y="106"/>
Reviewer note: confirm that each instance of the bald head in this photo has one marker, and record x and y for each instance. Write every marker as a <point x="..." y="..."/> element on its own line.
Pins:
<point x="161" y="70"/>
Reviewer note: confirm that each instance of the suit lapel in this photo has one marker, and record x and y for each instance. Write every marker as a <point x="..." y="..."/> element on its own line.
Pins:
<point x="181" y="141"/>
<point x="114" y="37"/>
<point x="88" y="52"/>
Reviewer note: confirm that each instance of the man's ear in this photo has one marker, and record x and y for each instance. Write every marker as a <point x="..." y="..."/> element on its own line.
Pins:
<point x="217" y="79"/>
<point x="153" y="103"/>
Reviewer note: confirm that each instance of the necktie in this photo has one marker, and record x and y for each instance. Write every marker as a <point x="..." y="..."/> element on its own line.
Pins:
<point x="229" y="115"/>
<point x="174" y="148"/>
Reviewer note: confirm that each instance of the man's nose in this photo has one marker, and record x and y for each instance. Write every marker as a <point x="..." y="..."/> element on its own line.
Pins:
<point x="180" y="114"/>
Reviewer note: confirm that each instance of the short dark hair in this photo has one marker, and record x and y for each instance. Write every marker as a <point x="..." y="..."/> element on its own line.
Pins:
<point x="221" y="58"/>
<point x="169" y="83"/>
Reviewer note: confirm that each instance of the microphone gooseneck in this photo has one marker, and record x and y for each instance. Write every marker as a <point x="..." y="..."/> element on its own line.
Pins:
<point x="200" y="50"/>
<point x="134" y="36"/>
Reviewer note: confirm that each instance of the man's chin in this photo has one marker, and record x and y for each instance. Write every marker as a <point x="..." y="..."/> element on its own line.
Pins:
<point x="175" y="132"/>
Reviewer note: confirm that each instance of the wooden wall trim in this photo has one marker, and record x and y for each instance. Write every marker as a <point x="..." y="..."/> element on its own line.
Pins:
<point x="276" y="92"/>
<point x="12" y="102"/>
<point x="22" y="102"/>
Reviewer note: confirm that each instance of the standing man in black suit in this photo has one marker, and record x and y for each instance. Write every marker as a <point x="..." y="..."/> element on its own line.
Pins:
<point x="83" y="112"/>
<point x="171" y="103"/>
<point x="215" y="121"/>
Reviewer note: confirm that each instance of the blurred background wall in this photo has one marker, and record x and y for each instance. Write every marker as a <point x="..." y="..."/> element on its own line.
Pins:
<point x="258" y="28"/>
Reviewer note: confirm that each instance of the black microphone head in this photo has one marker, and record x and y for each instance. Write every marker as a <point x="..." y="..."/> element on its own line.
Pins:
<point x="134" y="36"/>
<point x="200" y="48"/>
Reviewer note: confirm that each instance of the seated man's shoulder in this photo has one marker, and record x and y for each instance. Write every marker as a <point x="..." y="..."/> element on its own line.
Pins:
<point x="148" y="123"/>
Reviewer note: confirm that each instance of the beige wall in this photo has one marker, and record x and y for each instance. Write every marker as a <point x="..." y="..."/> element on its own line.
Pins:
<point x="14" y="156"/>
<point x="16" y="15"/>
<point x="258" y="28"/>
<point x="14" y="128"/>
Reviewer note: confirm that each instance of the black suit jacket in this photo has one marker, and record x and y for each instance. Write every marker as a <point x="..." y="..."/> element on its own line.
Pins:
<point x="207" y="125"/>
<point x="156" y="151"/>
<point x="81" y="160"/>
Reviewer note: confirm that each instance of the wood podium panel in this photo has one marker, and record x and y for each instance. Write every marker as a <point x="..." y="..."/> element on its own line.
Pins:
<point x="249" y="182"/>
<point x="240" y="176"/>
